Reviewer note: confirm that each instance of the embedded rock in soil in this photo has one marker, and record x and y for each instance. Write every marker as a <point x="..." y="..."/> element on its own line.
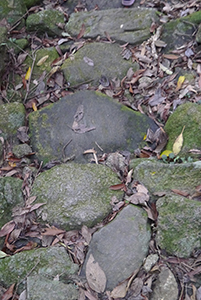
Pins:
<point x="12" y="117"/>
<point x="47" y="262"/>
<point x="38" y="286"/>
<point x="105" y="60"/>
<point x="165" y="286"/>
<point x="160" y="177"/>
<point x="128" y="26"/>
<point x="178" y="225"/>
<point x="83" y="121"/>
<point x="188" y="115"/>
<point x="45" y="22"/>
<point x="120" y="246"/>
<point x="75" y="195"/>
<point x="10" y="196"/>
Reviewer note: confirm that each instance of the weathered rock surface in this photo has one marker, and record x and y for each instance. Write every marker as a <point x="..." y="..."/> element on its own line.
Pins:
<point x="47" y="262"/>
<point x="45" y="21"/>
<point x="105" y="60"/>
<point x="120" y="247"/>
<point x="165" y="286"/>
<point x="188" y="115"/>
<point x="12" y="117"/>
<point x="115" y="127"/>
<point x="178" y="32"/>
<point x="160" y="177"/>
<point x="128" y="26"/>
<point x="178" y="225"/>
<point x="39" y="287"/>
<point x="10" y="196"/>
<point x="178" y="220"/>
<point x="75" y="194"/>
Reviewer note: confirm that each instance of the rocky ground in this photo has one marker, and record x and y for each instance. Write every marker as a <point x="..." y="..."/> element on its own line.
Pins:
<point x="92" y="93"/>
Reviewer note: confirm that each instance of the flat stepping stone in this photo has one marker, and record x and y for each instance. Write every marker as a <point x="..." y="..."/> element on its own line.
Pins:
<point x="120" y="247"/>
<point x="95" y="60"/>
<point x="128" y="26"/>
<point x="75" y="195"/>
<point x="82" y="121"/>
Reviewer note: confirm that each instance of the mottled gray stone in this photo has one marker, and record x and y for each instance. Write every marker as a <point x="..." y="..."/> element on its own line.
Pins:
<point x="10" y="196"/>
<point x="22" y="150"/>
<point x="160" y="177"/>
<point x="12" y="117"/>
<point x="165" y="286"/>
<point x="40" y="288"/>
<point x="107" y="61"/>
<point x="126" y="26"/>
<point x="116" y="127"/>
<point x="45" y="21"/>
<point x="47" y="262"/>
<point x="75" y="195"/>
<point x="178" y="225"/>
<point x="120" y="247"/>
<point x="188" y="115"/>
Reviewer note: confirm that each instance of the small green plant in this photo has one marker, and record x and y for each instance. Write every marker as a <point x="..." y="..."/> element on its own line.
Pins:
<point x="172" y="159"/>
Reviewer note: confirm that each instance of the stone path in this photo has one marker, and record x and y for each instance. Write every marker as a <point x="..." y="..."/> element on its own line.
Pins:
<point x="77" y="193"/>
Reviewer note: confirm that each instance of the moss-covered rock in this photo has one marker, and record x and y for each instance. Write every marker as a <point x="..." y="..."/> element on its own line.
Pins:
<point x="45" y="22"/>
<point x="115" y="127"/>
<point x="37" y="287"/>
<point x="21" y="150"/>
<point x="128" y="26"/>
<point x="106" y="60"/>
<point x="179" y="32"/>
<point x="47" y="262"/>
<point x="160" y="177"/>
<point x="188" y="115"/>
<point x="12" y="11"/>
<point x="12" y="117"/>
<point x="75" y="194"/>
<point x="10" y="196"/>
<point x="178" y="225"/>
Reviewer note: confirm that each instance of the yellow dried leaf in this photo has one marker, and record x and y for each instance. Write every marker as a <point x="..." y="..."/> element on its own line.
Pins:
<point x="180" y="82"/>
<point x="178" y="143"/>
<point x="34" y="107"/>
<point x="42" y="60"/>
<point x="28" y="74"/>
<point x="166" y="152"/>
<point x="54" y="70"/>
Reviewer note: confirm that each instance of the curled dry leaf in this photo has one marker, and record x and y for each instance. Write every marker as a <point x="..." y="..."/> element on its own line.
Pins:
<point x="95" y="276"/>
<point x="7" y="228"/>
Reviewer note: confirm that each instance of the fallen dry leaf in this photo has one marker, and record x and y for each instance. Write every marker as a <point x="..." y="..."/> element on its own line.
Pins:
<point x="9" y="293"/>
<point x="178" y="143"/>
<point x="95" y="276"/>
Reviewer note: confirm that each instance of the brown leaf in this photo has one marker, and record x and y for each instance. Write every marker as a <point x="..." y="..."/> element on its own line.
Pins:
<point x="139" y="198"/>
<point x="95" y="276"/>
<point x="9" y="293"/>
<point x="36" y="206"/>
<point x="116" y="187"/>
<point x="179" y="192"/>
<point x="82" y="31"/>
<point x="52" y="231"/>
<point x="7" y="228"/>
<point x="120" y="290"/>
<point x="86" y="234"/>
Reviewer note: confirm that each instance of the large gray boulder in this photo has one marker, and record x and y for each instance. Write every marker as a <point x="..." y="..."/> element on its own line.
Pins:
<point x="126" y="26"/>
<point x="120" y="247"/>
<point x="75" y="194"/>
<point x="95" y="60"/>
<point x="82" y="121"/>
